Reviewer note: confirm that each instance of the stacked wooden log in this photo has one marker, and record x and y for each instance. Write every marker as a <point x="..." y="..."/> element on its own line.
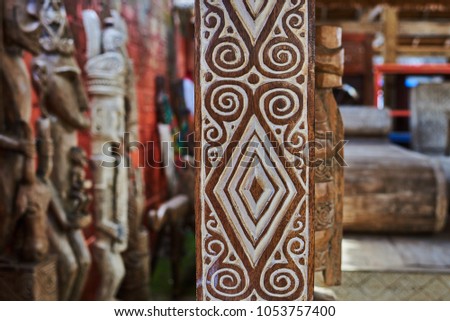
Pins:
<point x="388" y="189"/>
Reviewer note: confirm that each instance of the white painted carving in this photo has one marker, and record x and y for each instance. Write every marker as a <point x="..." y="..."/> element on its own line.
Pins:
<point x="254" y="197"/>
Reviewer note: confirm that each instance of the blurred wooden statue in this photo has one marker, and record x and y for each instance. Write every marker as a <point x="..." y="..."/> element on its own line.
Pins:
<point x="114" y="113"/>
<point x="26" y="272"/>
<point x="135" y="285"/>
<point x="329" y="175"/>
<point x="57" y="79"/>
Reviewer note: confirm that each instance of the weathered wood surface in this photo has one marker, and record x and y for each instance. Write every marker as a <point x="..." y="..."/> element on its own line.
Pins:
<point x="255" y="112"/>
<point x="390" y="189"/>
<point x="329" y="130"/>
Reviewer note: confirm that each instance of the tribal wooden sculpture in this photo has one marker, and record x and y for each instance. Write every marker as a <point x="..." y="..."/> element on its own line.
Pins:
<point x="255" y="116"/>
<point x="329" y="175"/>
<point x="135" y="285"/>
<point x="57" y="79"/>
<point x="111" y="86"/>
<point x="26" y="273"/>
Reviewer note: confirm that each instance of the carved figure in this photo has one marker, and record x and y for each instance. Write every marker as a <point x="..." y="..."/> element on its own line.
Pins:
<point x="18" y="31"/>
<point x="78" y="199"/>
<point x="135" y="285"/>
<point x="111" y="86"/>
<point x="56" y="77"/>
<point x="329" y="175"/>
<point x="25" y="196"/>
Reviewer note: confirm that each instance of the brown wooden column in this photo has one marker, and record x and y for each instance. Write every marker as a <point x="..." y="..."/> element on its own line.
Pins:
<point x="329" y="132"/>
<point x="255" y="115"/>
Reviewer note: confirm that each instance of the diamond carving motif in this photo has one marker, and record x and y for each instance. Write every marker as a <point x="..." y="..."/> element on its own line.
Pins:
<point x="254" y="218"/>
<point x="256" y="189"/>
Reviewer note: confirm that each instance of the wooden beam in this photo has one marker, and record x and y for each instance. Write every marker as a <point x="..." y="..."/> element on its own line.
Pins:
<point x="424" y="51"/>
<point x="255" y="98"/>
<point x="419" y="51"/>
<point x="400" y="3"/>
<point x="390" y="30"/>
<point x="359" y="27"/>
<point x="424" y="29"/>
<point x="406" y="28"/>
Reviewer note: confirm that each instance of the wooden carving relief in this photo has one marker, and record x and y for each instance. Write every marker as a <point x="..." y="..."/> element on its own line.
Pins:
<point x="255" y="116"/>
<point x="26" y="271"/>
<point x="63" y="103"/>
<point x="329" y="130"/>
<point x="114" y="113"/>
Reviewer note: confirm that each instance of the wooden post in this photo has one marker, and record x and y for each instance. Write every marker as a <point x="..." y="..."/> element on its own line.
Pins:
<point x="329" y="131"/>
<point x="255" y="99"/>
<point x="390" y="30"/>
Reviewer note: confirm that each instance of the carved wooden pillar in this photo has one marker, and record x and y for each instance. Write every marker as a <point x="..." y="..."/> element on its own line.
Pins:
<point x="255" y="100"/>
<point x="329" y="132"/>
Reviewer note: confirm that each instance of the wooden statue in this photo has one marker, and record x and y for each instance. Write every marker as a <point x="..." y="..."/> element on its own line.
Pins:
<point x="114" y="113"/>
<point x="255" y="99"/>
<point x="329" y="175"/>
<point x="135" y="285"/>
<point x="57" y="79"/>
<point x="26" y="272"/>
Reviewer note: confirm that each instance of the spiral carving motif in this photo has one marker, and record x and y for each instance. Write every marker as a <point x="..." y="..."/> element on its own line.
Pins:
<point x="282" y="282"/>
<point x="226" y="101"/>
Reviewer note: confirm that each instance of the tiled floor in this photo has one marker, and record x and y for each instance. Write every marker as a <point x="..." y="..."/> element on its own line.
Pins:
<point x="395" y="268"/>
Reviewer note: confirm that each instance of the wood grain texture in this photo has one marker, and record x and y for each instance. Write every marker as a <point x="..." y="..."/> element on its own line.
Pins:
<point x="329" y="176"/>
<point x="392" y="190"/>
<point x="255" y="93"/>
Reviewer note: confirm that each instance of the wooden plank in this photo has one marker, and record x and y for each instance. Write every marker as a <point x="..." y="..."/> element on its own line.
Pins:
<point x="255" y="92"/>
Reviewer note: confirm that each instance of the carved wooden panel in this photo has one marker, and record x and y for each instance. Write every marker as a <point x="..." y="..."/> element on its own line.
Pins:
<point x="255" y="114"/>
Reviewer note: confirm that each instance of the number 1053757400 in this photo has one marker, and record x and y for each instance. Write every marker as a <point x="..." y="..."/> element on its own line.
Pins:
<point x="296" y="310"/>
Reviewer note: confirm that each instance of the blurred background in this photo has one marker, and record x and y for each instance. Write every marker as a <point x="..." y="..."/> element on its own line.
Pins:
<point x="395" y="103"/>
